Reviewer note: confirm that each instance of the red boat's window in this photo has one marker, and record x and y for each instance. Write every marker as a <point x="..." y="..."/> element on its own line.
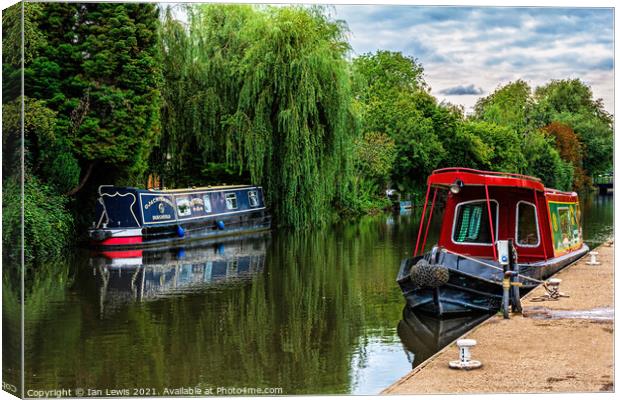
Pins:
<point x="527" y="225"/>
<point x="471" y="224"/>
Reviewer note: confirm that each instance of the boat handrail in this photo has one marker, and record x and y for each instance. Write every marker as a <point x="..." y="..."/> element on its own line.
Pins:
<point x="488" y="265"/>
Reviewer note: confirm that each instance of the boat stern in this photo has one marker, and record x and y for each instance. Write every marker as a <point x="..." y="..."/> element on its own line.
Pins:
<point x="115" y="236"/>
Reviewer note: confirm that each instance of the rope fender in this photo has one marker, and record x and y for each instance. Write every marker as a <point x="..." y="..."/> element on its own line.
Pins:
<point x="423" y="274"/>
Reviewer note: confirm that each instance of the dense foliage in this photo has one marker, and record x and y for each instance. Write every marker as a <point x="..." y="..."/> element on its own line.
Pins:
<point x="393" y="99"/>
<point x="99" y="70"/>
<point x="269" y="98"/>
<point x="575" y="126"/>
<point x="255" y="94"/>
<point x="570" y="149"/>
<point x="91" y="103"/>
<point x="505" y="132"/>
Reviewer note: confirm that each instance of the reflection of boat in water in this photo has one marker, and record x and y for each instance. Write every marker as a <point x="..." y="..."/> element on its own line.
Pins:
<point x="148" y="274"/>
<point x="423" y="335"/>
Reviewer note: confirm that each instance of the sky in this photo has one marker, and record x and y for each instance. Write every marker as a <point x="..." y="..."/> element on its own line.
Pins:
<point x="468" y="52"/>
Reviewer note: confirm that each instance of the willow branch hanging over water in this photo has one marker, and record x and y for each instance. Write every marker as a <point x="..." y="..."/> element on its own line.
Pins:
<point x="263" y="94"/>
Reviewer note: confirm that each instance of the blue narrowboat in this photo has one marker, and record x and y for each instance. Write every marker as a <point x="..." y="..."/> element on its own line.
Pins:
<point x="129" y="217"/>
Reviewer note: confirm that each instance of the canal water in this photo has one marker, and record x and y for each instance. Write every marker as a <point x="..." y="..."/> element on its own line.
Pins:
<point x="309" y="312"/>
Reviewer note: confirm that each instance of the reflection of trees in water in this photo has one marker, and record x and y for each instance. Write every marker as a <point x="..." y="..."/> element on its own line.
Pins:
<point x="296" y="325"/>
<point x="46" y="285"/>
<point x="597" y="221"/>
<point x="11" y="326"/>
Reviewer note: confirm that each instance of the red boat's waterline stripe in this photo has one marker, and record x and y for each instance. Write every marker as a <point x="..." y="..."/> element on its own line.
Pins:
<point x="117" y="241"/>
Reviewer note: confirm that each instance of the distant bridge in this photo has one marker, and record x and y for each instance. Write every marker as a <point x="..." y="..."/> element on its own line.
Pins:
<point x="605" y="183"/>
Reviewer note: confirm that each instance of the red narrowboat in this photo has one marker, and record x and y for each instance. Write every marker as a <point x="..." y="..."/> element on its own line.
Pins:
<point x="484" y="213"/>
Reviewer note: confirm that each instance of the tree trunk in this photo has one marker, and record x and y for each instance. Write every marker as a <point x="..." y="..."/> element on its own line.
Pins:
<point x="83" y="181"/>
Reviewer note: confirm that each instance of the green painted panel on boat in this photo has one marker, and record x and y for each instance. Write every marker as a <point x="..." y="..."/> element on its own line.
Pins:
<point x="565" y="227"/>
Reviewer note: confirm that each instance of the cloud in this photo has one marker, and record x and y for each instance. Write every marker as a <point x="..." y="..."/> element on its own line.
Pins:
<point x="605" y="64"/>
<point x="461" y="90"/>
<point x="491" y="46"/>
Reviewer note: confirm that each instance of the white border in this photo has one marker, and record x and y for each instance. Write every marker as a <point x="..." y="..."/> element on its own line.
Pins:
<point x="456" y="214"/>
<point x="517" y="225"/>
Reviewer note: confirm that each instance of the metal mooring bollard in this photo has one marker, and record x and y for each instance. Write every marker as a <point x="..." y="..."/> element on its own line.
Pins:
<point x="593" y="261"/>
<point x="465" y="361"/>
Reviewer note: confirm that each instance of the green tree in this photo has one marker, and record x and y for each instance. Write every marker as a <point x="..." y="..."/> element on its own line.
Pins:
<point x="295" y="86"/>
<point x="569" y="147"/>
<point x="596" y="136"/>
<point x="386" y="73"/>
<point x="48" y="225"/>
<point x="99" y="70"/>
<point x="202" y="73"/>
<point x="269" y="98"/>
<point x="466" y="149"/>
<point x="12" y="44"/>
<point x="543" y="161"/>
<point x="92" y="98"/>
<point x="463" y="148"/>
<point x="393" y="98"/>
<point x="568" y="95"/>
<point x="373" y="160"/>
<point x="374" y="156"/>
<point x="504" y="143"/>
<point x="509" y="105"/>
<point x="571" y="102"/>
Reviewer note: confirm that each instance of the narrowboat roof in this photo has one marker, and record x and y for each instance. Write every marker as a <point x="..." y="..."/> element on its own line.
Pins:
<point x="202" y="188"/>
<point x="473" y="177"/>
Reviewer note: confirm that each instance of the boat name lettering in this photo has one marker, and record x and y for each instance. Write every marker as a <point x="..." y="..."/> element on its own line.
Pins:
<point x="163" y="216"/>
<point x="157" y="200"/>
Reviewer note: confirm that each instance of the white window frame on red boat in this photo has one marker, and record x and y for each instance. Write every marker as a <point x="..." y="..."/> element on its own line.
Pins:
<point x="229" y="205"/>
<point x="517" y="224"/>
<point x="456" y="214"/>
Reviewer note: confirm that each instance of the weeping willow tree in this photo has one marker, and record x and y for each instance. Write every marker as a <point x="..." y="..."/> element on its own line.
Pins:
<point x="201" y="90"/>
<point x="259" y="94"/>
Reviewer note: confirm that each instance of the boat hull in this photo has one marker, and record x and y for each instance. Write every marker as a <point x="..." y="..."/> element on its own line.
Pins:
<point x="472" y="287"/>
<point x="181" y="232"/>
